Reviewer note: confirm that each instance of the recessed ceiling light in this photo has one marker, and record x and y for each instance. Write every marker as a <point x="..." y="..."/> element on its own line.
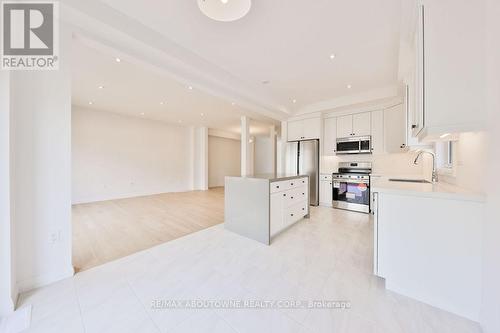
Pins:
<point x="220" y="11"/>
<point x="233" y="103"/>
<point x="349" y="86"/>
<point x="190" y="87"/>
<point x="118" y="60"/>
<point x="90" y="102"/>
<point x="142" y="113"/>
<point x="202" y="114"/>
<point x="294" y="101"/>
<point x="180" y="121"/>
<point x="162" y="103"/>
<point x="332" y="56"/>
<point x="101" y="87"/>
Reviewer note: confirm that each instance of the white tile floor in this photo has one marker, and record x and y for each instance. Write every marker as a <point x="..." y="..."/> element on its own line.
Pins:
<point x="327" y="257"/>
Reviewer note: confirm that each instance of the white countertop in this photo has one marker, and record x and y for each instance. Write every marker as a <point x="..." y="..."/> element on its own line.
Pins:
<point x="442" y="190"/>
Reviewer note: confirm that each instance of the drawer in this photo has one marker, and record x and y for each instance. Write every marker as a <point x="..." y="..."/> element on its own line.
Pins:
<point x="326" y="177"/>
<point x="279" y="186"/>
<point x="296" y="195"/>
<point x="295" y="213"/>
<point x="298" y="182"/>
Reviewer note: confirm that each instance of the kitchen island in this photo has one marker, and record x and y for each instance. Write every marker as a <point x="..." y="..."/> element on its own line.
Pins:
<point x="261" y="206"/>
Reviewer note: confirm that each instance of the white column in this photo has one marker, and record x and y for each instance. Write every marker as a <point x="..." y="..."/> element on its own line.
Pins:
<point x="245" y="146"/>
<point x="200" y="158"/>
<point x="272" y="136"/>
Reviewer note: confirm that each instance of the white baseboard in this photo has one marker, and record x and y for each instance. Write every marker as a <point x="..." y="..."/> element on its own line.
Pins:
<point x="45" y="279"/>
<point x="97" y="198"/>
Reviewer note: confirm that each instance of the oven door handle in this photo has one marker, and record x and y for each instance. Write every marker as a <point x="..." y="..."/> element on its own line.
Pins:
<point x="350" y="181"/>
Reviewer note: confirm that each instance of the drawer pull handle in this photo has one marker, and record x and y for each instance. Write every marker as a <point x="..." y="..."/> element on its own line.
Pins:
<point x="292" y="197"/>
<point x="284" y="194"/>
<point x="303" y="209"/>
<point x="303" y="193"/>
<point x="291" y="214"/>
<point x="277" y="186"/>
<point x="292" y="184"/>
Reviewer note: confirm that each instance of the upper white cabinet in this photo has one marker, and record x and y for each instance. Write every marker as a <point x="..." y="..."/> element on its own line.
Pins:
<point x="361" y="124"/>
<point x="395" y="129"/>
<point x="329" y="136"/>
<point x="358" y="124"/>
<point x="304" y="129"/>
<point x="377" y="120"/>
<point x="450" y="71"/>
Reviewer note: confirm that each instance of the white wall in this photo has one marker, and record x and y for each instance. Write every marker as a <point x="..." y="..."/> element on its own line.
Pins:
<point x="199" y="159"/>
<point x="263" y="158"/>
<point x="490" y="315"/>
<point x="223" y="159"/>
<point x="115" y="156"/>
<point x="7" y="277"/>
<point x="41" y="171"/>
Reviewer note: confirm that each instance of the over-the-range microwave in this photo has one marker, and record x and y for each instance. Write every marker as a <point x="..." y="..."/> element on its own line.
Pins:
<point x="354" y="145"/>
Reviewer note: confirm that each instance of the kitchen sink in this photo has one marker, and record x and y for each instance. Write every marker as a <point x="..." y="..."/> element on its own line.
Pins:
<point x="422" y="181"/>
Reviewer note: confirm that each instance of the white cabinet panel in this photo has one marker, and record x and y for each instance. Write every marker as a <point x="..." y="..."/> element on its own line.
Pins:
<point x="295" y="130"/>
<point x="344" y="126"/>
<point x="277" y="209"/>
<point x="361" y="124"/>
<point x="377" y="120"/>
<point x="325" y="192"/>
<point x="311" y="128"/>
<point x="330" y="136"/>
<point x="395" y="129"/>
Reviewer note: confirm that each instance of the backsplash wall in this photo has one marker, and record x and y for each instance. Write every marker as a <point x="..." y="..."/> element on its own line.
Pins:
<point x="386" y="164"/>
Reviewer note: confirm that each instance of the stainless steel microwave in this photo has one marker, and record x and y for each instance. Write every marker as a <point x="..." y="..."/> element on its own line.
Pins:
<point x="354" y="145"/>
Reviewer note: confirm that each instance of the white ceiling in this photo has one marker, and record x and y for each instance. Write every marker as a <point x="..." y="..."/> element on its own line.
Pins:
<point x="288" y="43"/>
<point x="134" y="90"/>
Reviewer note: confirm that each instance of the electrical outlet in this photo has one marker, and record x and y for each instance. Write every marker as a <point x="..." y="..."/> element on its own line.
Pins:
<point x="55" y="237"/>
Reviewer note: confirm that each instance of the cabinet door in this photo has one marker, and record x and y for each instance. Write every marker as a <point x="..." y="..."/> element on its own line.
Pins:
<point x="377" y="120"/>
<point x="325" y="193"/>
<point x="361" y="124"/>
<point x="295" y="130"/>
<point x="277" y="207"/>
<point x="395" y="129"/>
<point x="344" y="126"/>
<point x="311" y="128"/>
<point x="330" y="136"/>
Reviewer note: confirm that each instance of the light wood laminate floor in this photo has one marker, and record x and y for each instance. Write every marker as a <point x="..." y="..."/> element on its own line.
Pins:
<point x="108" y="230"/>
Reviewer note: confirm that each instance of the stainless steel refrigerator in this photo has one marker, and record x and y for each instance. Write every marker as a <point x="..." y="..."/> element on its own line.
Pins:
<point x="303" y="159"/>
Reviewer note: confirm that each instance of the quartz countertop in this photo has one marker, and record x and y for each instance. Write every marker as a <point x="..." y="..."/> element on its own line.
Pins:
<point x="442" y="190"/>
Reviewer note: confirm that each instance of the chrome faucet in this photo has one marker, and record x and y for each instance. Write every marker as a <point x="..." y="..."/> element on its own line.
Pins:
<point x="434" y="171"/>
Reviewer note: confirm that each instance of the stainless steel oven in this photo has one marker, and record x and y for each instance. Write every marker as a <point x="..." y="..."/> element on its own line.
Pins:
<point x="351" y="186"/>
<point x="354" y="145"/>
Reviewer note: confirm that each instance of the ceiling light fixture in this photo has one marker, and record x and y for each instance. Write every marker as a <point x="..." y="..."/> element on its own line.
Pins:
<point x="349" y="86"/>
<point x="142" y="113"/>
<point x="233" y="103"/>
<point x="190" y="88"/>
<point x="294" y="101"/>
<point x="225" y="10"/>
<point x="202" y="114"/>
<point x="90" y="102"/>
<point x="118" y="60"/>
<point x="332" y="56"/>
<point x="101" y="87"/>
<point x="180" y="121"/>
<point x="162" y="103"/>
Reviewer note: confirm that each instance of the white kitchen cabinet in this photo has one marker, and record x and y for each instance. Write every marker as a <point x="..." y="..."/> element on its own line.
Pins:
<point x="395" y="129"/>
<point x="377" y="125"/>
<point x="358" y="124"/>
<point x="304" y="129"/>
<point x="329" y="136"/>
<point x="344" y="126"/>
<point x="325" y="190"/>
<point x="450" y="44"/>
<point x="361" y="124"/>
<point x="295" y="130"/>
